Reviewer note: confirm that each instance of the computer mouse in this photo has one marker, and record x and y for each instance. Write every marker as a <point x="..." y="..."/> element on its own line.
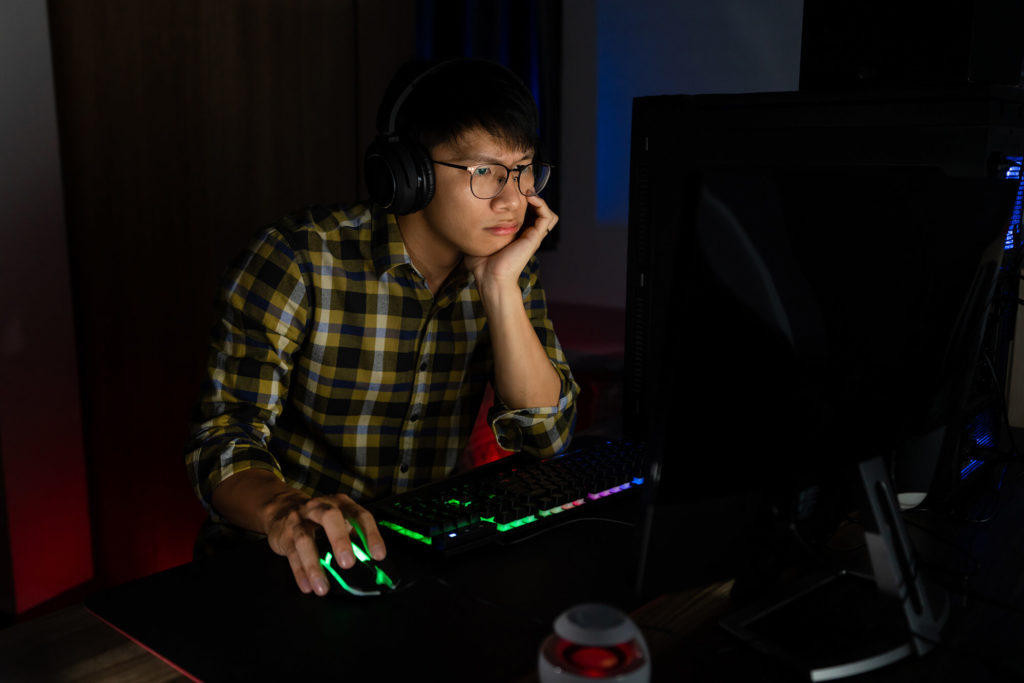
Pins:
<point x="367" y="577"/>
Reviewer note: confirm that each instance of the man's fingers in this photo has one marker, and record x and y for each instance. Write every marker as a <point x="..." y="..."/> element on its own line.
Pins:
<point x="308" y="559"/>
<point x="546" y="218"/>
<point x="294" y="535"/>
<point x="340" y="516"/>
<point x="300" y="573"/>
<point x="338" y="529"/>
<point x="366" y="527"/>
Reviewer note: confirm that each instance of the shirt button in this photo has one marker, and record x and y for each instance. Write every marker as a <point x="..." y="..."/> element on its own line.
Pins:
<point x="423" y="366"/>
<point x="414" y="417"/>
<point x="403" y="469"/>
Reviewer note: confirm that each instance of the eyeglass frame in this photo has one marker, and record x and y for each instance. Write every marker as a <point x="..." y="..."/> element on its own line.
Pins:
<point x="517" y="169"/>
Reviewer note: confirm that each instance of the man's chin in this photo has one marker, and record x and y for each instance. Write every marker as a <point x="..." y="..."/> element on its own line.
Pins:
<point x="483" y="251"/>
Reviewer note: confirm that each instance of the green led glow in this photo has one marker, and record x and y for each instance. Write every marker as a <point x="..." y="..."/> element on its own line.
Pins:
<point x="488" y="519"/>
<point x="458" y="503"/>
<point x="517" y="523"/>
<point x="360" y="553"/>
<point x="383" y="579"/>
<point x="325" y="562"/>
<point x="406" y="532"/>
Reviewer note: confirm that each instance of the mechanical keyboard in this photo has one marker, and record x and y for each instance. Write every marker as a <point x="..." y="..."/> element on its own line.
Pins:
<point x="493" y="501"/>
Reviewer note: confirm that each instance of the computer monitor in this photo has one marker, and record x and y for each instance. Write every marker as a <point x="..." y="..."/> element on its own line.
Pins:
<point x="809" y="280"/>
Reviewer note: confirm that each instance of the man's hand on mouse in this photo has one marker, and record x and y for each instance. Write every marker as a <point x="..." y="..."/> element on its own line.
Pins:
<point x="291" y="527"/>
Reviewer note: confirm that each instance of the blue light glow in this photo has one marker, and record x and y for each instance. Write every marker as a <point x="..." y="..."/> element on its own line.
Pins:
<point x="970" y="467"/>
<point x="1013" y="232"/>
<point x="982" y="432"/>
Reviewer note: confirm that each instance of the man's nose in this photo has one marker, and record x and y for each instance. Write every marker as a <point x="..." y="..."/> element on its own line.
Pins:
<point x="510" y="194"/>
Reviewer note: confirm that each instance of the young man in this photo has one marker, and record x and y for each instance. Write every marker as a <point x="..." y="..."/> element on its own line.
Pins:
<point x="356" y="342"/>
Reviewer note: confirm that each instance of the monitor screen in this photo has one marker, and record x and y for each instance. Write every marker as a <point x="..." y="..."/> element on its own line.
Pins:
<point x="809" y="281"/>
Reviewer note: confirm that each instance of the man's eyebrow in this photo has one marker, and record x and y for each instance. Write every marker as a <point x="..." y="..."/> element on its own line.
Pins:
<point x="487" y="159"/>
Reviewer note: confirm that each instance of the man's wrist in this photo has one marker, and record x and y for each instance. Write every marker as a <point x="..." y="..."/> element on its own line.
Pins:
<point x="255" y="498"/>
<point x="279" y="505"/>
<point x="500" y="296"/>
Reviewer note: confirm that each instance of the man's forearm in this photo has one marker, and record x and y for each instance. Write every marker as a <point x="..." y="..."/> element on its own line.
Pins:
<point x="248" y="499"/>
<point x="523" y="374"/>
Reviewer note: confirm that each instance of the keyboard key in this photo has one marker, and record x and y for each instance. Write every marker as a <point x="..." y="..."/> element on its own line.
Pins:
<point x="493" y="501"/>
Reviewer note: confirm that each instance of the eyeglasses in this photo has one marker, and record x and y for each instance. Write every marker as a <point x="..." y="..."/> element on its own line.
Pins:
<point x="486" y="181"/>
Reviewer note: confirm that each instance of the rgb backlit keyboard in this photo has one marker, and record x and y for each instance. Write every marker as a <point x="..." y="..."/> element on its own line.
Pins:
<point x="513" y="493"/>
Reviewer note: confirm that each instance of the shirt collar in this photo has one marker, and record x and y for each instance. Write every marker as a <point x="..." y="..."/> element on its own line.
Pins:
<point x="459" y="279"/>
<point x="388" y="249"/>
<point x="386" y="243"/>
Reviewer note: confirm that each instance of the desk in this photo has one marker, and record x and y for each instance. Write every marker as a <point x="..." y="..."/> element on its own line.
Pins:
<point x="483" y="615"/>
<point x="239" y="617"/>
<point x="71" y="646"/>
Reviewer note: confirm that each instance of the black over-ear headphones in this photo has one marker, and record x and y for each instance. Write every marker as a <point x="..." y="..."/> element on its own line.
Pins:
<point x="399" y="172"/>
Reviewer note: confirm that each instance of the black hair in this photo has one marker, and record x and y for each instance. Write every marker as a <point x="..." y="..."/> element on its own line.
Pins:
<point x="454" y="96"/>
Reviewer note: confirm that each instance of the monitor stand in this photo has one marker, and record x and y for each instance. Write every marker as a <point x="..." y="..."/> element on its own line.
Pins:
<point x="846" y="623"/>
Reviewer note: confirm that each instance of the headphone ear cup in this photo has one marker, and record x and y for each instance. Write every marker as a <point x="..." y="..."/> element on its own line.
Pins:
<point x="399" y="175"/>
<point x="378" y="169"/>
<point x="426" y="176"/>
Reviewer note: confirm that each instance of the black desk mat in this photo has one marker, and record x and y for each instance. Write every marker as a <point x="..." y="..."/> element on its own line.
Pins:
<point x="478" y="616"/>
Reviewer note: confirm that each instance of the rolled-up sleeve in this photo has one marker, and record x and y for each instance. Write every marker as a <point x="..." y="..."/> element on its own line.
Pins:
<point x="542" y="432"/>
<point x="264" y="311"/>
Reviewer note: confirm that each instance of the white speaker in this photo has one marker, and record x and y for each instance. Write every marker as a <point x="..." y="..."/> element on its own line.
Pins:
<point x="594" y="642"/>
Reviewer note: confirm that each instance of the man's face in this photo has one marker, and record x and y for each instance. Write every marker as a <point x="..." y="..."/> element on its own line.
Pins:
<point x="456" y="218"/>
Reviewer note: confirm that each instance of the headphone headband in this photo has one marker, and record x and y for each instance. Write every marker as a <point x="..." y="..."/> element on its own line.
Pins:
<point x="392" y="120"/>
<point x="399" y="173"/>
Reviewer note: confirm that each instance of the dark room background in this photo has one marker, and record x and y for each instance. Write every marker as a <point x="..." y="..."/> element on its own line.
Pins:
<point x="141" y="142"/>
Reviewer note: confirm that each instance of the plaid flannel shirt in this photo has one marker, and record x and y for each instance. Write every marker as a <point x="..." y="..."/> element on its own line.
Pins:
<point x="333" y="365"/>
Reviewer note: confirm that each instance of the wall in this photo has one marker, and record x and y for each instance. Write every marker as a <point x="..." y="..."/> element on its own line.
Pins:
<point x="45" y="543"/>
<point x="186" y="125"/>
<point x="615" y="50"/>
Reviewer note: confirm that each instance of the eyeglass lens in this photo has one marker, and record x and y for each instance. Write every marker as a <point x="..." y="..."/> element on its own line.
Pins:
<point x="488" y="180"/>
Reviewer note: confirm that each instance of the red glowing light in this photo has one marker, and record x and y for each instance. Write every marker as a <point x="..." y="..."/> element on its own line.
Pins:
<point x="594" y="658"/>
<point x="593" y="661"/>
